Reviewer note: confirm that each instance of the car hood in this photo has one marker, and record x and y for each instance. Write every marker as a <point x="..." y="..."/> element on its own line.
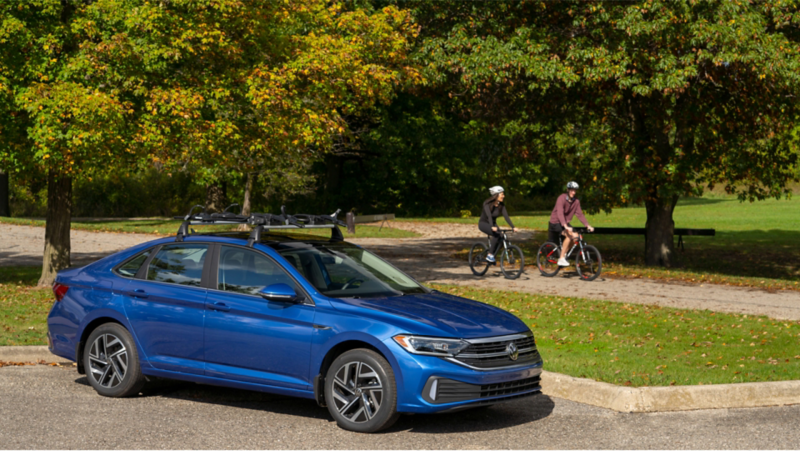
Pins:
<point x="452" y="315"/>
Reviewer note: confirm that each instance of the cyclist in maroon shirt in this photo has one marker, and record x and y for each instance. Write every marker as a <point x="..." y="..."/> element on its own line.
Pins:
<point x="566" y="207"/>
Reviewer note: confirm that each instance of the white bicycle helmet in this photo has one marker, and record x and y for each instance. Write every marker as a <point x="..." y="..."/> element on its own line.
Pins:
<point x="496" y="190"/>
<point x="572" y="185"/>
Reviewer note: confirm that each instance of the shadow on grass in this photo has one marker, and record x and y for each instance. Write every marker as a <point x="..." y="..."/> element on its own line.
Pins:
<point x="500" y="416"/>
<point x="14" y="261"/>
<point x="702" y="200"/>
<point x="24" y="275"/>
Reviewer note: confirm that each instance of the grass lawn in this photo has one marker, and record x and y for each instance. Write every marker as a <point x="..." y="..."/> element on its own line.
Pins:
<point x="756" y="245"/>
<point x="169" y="227"/>
<point x="640" y="345"/>
<point x="23" y="306"/>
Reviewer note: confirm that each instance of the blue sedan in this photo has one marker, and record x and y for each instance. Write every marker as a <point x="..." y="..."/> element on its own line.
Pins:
<point x="289" y="314"/>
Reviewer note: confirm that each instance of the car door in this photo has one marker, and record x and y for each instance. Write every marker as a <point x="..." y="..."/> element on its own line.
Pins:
<point x="251" y="339"/>
<point x="165" y="305"/>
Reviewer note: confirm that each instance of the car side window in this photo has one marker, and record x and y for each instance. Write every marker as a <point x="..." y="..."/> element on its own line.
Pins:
<point x="131" y="267"/>
<point x="180" y="264"/>
<point x="248" y="272"/>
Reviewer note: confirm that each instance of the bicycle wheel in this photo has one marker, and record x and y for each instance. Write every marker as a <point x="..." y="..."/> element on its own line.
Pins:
<point x="547" y="259"/>
<point x="477" y="259"/>
<point x="589" y="263"/>
<point x="512" y="262"/>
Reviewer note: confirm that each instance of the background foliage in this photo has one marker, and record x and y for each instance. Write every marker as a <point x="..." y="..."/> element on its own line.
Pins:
<point x="635" y="100"/>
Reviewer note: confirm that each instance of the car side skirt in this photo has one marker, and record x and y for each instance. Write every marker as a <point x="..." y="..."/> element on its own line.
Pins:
<point x="307" y="394"/>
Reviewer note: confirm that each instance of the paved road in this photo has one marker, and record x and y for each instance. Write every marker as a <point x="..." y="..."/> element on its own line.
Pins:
<point x="53" y="407"/>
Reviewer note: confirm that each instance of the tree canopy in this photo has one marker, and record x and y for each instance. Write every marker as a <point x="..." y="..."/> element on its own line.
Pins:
<point x="641" y="102"/>
<point x="647" y="101"/>
<point x="223" y="85"/>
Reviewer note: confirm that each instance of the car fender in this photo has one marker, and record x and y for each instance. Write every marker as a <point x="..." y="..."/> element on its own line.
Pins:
<point x="331" y="342"/>
<point x="116" y="316"/>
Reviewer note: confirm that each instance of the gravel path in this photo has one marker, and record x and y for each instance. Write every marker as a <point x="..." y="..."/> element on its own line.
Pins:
<point x="55" y="408"/>
<point x="430" y="259"/>
<point x="24" y="245"/>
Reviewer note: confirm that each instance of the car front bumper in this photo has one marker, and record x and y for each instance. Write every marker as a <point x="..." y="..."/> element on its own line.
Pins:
<point x="431" y="384"/>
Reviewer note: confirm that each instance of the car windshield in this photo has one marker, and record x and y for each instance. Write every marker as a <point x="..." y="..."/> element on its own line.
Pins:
<point x="344" y="270"/>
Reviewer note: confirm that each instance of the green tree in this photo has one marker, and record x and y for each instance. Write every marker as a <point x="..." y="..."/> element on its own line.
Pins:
<point x="53" y="122"/>
<point x="648" y="101"/>
<point x="419" y="158"/>
<point x="215" y="86"/>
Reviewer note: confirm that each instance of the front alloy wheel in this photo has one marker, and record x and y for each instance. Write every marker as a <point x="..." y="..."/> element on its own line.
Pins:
<point x="360" y="391"/>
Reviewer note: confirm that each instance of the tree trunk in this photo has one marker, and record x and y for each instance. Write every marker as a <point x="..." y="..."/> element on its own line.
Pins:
<point x="56" y="232"/>
<point x="5" y="209"/>
<point x="215" y="197"/>
<point x="334" y="165"/>
<point x="659" y="246"/>
<point x="248" y="190"/>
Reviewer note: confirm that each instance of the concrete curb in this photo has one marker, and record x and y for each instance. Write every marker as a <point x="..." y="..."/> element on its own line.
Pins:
<point x="587" y="391"/>
<point x="29" y="354"/>
<point x="674" y="398"/>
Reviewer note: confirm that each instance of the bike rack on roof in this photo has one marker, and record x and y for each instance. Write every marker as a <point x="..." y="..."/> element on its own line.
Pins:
<point x="261" y="222"/>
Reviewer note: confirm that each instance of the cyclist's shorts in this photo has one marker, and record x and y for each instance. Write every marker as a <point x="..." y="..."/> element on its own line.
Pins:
<point x="554" y="232"/>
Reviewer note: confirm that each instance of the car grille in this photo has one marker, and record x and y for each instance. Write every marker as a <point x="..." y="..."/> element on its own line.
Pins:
<point x="448" y="390"/>
<point x="492" y="354"/>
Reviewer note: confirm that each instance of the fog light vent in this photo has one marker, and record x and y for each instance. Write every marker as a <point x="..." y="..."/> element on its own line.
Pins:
<point x="434" y="387"/>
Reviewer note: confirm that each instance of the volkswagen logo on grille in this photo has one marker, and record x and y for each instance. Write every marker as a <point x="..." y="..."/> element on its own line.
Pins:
<point x="512" y="351"/>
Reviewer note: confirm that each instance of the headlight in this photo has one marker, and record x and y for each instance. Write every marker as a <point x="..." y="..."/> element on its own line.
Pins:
<point x="442" y="347"/>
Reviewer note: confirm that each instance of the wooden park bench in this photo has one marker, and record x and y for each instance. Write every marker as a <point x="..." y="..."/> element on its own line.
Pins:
<point x="352" y="220"/>
<point x="641" y="231"/>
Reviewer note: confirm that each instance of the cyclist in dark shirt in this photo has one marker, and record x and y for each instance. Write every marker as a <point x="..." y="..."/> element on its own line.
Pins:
<point x="566" y="207"/>
<point x="493" y="207"/>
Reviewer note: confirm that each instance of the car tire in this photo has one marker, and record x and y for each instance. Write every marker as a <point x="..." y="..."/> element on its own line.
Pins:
<point x="112" y="362"/>
<point x="360" y="391"/>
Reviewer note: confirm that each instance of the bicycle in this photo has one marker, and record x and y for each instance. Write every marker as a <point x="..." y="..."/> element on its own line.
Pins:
<point x="512" y="261"/>
<point x="588" y="261"/>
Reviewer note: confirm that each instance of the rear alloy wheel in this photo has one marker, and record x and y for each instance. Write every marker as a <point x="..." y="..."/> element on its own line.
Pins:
<point x="112" y="363"/>
<point x="360" y="391"/>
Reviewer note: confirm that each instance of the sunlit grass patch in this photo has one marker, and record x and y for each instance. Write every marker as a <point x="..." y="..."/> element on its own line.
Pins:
<point x="643" y="345"/>
<point x="23" y="306"/>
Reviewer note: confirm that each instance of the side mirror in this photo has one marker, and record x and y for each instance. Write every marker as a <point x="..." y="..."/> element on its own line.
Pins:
<point x="280" y="292"/>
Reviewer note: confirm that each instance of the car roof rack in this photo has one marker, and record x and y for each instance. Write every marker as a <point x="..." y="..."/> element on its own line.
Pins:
<point x="261" y="222"/>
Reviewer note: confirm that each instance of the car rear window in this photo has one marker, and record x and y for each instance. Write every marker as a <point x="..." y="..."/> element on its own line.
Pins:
<point x="131" y="267"/>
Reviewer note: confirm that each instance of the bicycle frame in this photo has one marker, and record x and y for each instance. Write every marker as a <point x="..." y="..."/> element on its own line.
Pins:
<point x="578" y="243"/>
<point x="505" y="242"/>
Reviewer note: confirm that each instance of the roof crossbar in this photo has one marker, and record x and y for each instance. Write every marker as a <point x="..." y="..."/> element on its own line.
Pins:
<point x="261" y="222"/>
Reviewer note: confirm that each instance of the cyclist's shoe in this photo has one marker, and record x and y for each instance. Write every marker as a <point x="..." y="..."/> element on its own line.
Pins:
<point x="490" y="258"/>
<point x="563" y="262"/>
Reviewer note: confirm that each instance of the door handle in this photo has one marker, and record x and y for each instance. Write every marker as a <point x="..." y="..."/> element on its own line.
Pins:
<point x="219" y="306"/>
<point x="138" y="294"/>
